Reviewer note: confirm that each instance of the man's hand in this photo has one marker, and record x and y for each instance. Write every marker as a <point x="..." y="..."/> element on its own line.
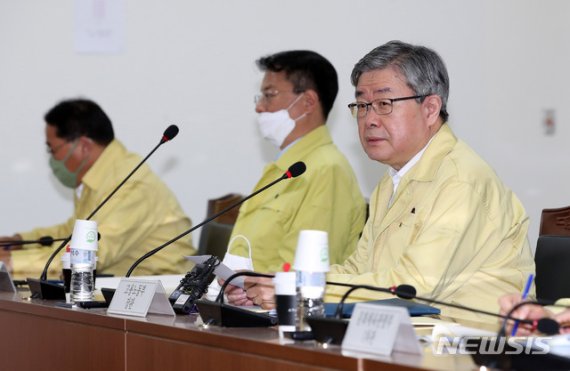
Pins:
<point x="261" y="291"/>
<point x="529" y="311"/>
<point x="237" y="296"/>
<point x="5" y="240"/>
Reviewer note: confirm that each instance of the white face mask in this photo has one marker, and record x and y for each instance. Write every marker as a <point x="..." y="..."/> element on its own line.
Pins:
<point x="276" y="126"/>
<point x="237" y="262"/>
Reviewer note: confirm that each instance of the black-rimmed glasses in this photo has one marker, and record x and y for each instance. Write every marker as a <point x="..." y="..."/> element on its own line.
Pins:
<point x="380" y="106"/>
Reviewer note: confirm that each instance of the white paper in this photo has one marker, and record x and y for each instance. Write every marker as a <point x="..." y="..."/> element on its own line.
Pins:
<point x="99" y="26"/>
<point x="222" y="271"/>
<point x="380" y="329"/>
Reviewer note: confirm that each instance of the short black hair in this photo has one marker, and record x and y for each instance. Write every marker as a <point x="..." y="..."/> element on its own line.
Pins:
<point x="305" y="69"/>
<point x="80" y="117"/>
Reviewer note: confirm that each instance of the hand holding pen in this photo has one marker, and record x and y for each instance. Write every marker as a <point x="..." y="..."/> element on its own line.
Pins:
<point x="523" y="297"/>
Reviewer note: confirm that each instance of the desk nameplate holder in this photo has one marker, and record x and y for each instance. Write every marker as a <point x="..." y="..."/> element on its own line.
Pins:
<point x="136" y="297"/>
<point x="379" y="330"/>
<point x="6" y="283"/>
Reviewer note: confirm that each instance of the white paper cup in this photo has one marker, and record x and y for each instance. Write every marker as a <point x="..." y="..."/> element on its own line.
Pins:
<point x="285" y="283"/>
<point x="286" y="300"/>
<point x="84" y="235"/>
<point x="312" y="254"/>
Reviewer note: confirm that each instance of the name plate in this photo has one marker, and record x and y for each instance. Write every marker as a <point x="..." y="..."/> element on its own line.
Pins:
<point x="135" y="297"/>
<point x="379" y="329"/>
<point x="6" y="283"/>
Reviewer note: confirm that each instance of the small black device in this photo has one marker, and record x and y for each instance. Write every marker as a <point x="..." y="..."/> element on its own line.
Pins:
<point x="193" y="286"/>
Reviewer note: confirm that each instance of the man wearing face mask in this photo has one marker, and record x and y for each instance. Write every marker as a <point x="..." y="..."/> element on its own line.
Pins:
<point x="297" y="94"/>
<point x="85" y="156"/>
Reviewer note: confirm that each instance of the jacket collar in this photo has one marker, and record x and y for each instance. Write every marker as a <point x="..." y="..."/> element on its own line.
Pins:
<point x="316" y="138"/>
<point x="99" y="172"/>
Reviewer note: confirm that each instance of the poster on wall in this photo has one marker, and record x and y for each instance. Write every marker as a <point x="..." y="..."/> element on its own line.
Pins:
<point x="99" y="26"/>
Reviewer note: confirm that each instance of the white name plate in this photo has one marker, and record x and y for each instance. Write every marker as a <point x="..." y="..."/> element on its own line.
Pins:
<point x="136" y="297"/>
<point x="6" y="283"/>
<point x="380" y="329"/>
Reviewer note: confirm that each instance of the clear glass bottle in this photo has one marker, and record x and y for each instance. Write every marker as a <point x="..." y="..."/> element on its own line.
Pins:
<point x="310" y="297"/>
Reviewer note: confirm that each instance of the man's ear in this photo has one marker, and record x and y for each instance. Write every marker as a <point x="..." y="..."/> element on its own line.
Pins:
<point x="85" y="145"/>
<point x="310" y="101"/>
<point x="432" y="107"/>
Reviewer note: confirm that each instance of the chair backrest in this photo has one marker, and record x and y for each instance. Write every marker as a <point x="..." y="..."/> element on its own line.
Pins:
<point x="215" y="235"/>
<point x="218" y="204"/>
<point x="555" y="222"/>
<point x="552" y="259"/>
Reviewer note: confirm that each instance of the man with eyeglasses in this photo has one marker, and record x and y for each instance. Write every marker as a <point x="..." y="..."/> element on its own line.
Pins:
<point x="297" y="93"/>
<point x="85" y="156"/>
<point x="440" y="219"/>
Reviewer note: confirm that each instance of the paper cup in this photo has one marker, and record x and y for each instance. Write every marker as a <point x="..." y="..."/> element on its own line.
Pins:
<point x="84" y="235"/>
<point x="312" y="254"/>
<point x="285" y="283"/>
<point x="286" y="301"/>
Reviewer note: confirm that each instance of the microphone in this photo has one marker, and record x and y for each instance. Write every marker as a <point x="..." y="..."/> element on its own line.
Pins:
<point x="329" y="330"/>
<point x="294" y="171"/>
<point x="402" y="291"/>
<point x="545" y="325"/>
<point x="220" y="297"/>
<point x="37" y="292"/>
<point x="218" y="313"/>
<point x="332" y="330"/>
<point x="44" y="241"/>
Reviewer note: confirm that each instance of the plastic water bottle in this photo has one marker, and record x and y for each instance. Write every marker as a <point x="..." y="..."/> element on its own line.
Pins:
<point x="83" y="259"/>
<point x="311" y="265"/>
<point x="310" y="297"/>
<point x="82" y="283"/>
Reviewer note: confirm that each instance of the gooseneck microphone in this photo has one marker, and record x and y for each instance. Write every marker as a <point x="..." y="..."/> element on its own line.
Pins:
<point x="294" y="171"/>
<point x="218" y="313"/>
<point x="402" y="291"/>
<point x="44" y="241"/>
<point x="169" y="134"/>
<point x="545" y="325"/>
<point x="220" y="297"/>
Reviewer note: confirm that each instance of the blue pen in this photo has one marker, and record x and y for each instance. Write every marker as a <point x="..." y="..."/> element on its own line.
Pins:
<point x="524" y="295"/>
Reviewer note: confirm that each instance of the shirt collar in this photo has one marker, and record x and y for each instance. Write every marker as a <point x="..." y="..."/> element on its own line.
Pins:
<point x="397" y="175"/>
<point x="281" y="152"/>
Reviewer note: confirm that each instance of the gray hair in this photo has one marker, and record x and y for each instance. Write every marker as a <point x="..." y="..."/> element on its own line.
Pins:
<point x="422" y="67"/>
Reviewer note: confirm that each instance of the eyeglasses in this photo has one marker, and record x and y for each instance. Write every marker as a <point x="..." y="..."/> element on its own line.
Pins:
<point x="380" y="106"/>
<point x="265" y="96"/>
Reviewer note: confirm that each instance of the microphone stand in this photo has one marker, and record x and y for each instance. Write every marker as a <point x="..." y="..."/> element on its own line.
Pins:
<point x="294" y="170"/>
<point x="218" y="313"/>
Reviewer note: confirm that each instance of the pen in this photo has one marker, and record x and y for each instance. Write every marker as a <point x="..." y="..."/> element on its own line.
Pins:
<point x="524" y="295"/>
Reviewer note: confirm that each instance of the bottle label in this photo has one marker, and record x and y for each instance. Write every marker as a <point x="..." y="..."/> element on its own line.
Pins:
<point x="81" y="256"/>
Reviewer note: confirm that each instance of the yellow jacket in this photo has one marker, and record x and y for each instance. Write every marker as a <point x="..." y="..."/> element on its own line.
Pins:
<point x="326" y="197"/>
<point x="142" y="215"/>
<point x="454" y="232"/>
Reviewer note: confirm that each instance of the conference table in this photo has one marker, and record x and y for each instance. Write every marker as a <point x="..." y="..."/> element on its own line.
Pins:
<point x="43" y="335"/>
